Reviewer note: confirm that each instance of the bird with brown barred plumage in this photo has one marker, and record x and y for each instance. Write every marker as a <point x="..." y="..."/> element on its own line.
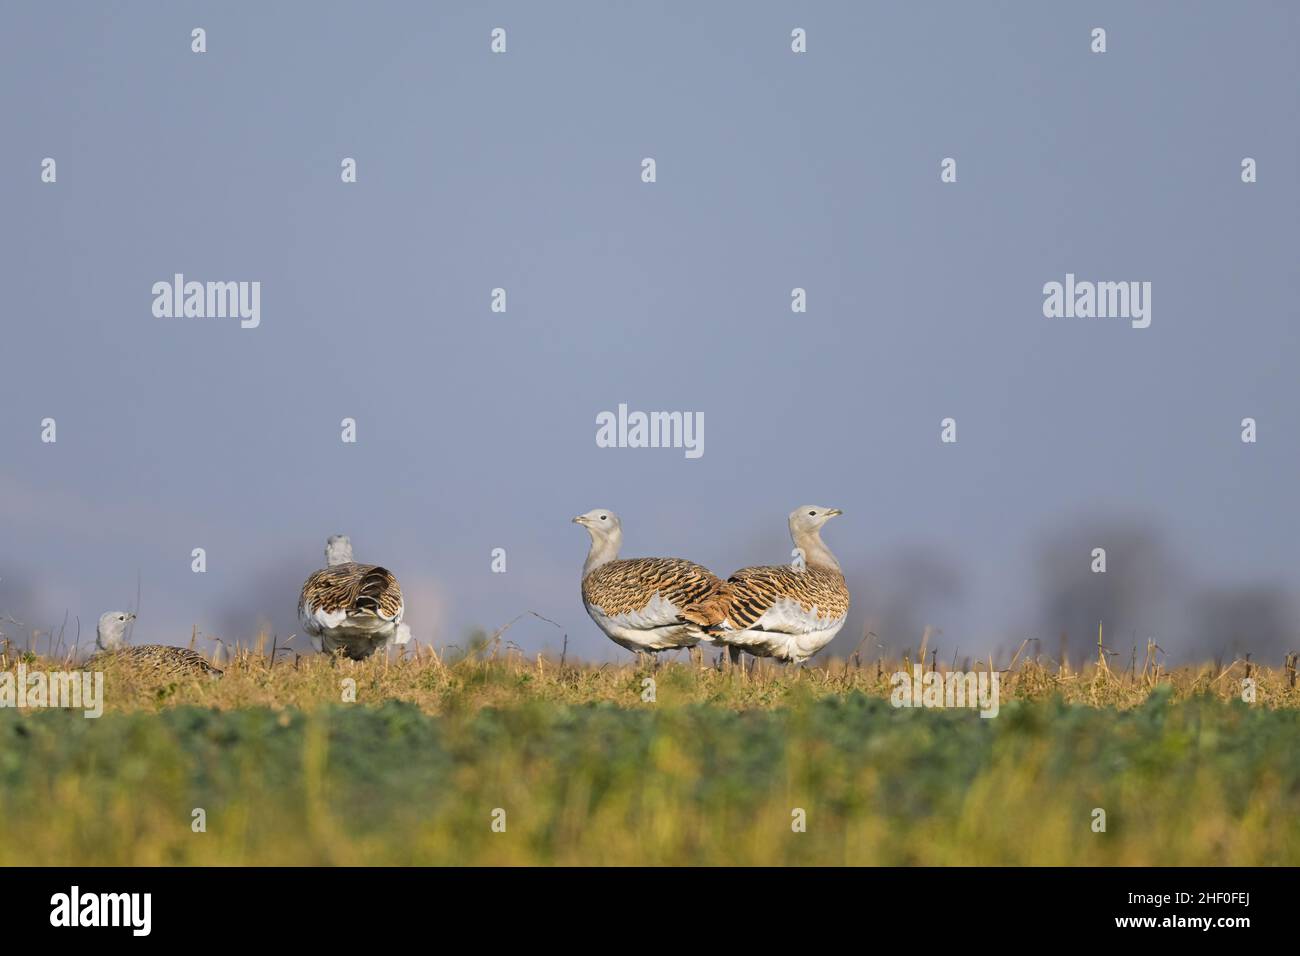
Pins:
<point x="788" y="612"/>
<point x="645" y="604"/>
<point x="153" y="660"/>
<point x="350" y="608"/>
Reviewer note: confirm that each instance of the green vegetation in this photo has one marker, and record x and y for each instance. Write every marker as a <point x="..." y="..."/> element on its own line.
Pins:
<point x="711" y="772"/>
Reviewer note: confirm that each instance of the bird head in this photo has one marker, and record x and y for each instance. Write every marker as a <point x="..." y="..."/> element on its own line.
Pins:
<point x="110" y="632"/>
<point x="338" y="550"/>
<point x="601" y="523"/>
<point x="810" y="518"/>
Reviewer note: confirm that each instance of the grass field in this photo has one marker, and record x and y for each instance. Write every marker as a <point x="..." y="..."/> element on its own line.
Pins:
<point x="713" y="771"/>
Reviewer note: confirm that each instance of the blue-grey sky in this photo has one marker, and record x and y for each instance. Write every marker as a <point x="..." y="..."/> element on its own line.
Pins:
<point x="522" y="170"/>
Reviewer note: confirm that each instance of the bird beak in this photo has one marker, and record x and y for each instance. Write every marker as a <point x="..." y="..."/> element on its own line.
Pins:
<point x="577" y="519"/>
<point x="833" y="512"/>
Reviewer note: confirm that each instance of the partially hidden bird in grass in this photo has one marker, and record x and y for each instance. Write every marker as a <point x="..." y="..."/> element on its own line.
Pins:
<point x="350" y="608"/>
<point x="788" y="612"/>
<point x="158" y="660"/>
<point x="645" y="604"/>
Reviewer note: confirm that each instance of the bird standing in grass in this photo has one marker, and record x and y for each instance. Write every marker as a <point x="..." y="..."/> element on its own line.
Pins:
<point x="645" y="604"/>
<point x="789" y="612"/>
<point x="351" y="608"/>
<point x="161" y="660"/>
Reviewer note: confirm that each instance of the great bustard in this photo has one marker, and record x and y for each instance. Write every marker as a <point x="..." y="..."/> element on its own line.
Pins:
<point x="160" y="660"/>
<point x="352" y="608"/>
<point x="789" y="612"/>
<point x="645" y="604"/>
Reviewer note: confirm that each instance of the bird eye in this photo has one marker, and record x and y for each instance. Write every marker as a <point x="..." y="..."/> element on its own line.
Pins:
<point x="812" y="514"/>
<point x="121" y="617"/>
<point x="603" y="517"/>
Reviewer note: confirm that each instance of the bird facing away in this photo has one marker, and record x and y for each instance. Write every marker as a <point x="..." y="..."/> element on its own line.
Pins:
<point x="161" y="660"/>
<point x="645" y="604"/>
<point x="789" y="612"/>
<point x="351" y="608"/>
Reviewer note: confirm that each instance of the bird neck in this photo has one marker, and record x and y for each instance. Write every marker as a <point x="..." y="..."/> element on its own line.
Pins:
<point x="603" y="550"/>
<point x="814" y="549"/>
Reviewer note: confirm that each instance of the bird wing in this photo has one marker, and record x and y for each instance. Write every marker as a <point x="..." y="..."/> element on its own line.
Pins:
<point x="163" y="659"/>
<point x="687" y="592"/>
<point x="333" y="594"/>
<point x="781" y="598"/>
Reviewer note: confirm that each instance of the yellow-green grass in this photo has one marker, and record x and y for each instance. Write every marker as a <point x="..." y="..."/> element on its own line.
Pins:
<point x="442" y="683"/>
<point x="713" y="771"/>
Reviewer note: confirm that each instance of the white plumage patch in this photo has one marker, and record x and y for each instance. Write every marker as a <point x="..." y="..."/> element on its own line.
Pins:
<point x="326" y="620"/>
<point x="656" y="627"/>
<point x="786" y="631"/>
<point x="793" y="618"/>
